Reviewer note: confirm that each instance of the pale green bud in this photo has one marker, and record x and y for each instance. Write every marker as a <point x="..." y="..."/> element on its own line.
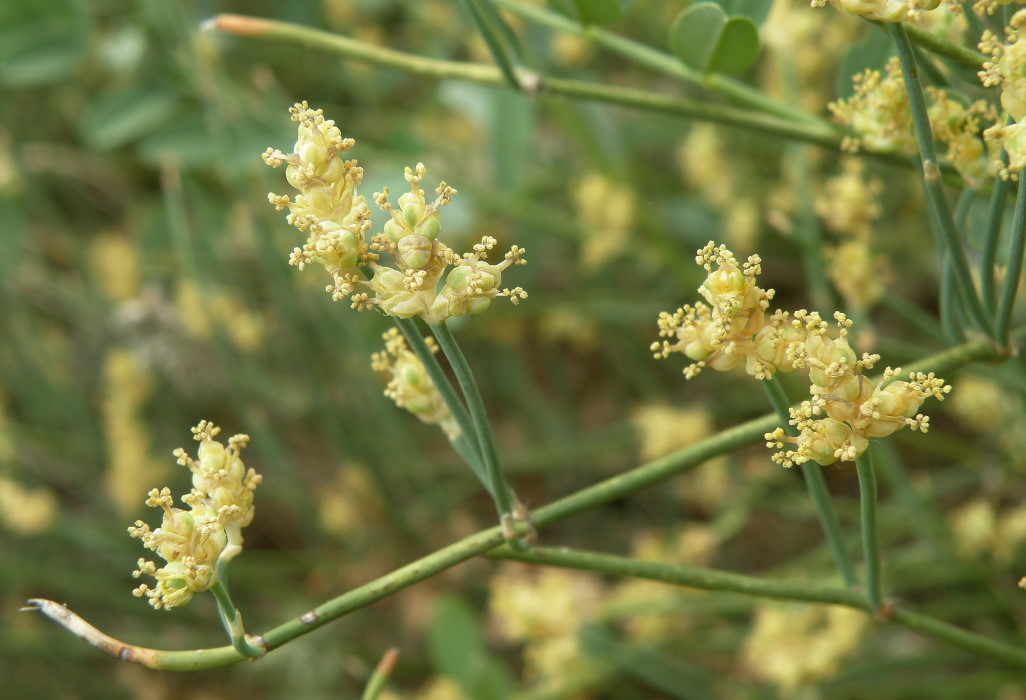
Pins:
<point x="415" y="251"/>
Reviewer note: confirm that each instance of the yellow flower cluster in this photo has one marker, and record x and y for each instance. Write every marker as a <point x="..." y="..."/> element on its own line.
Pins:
<point x="409" y="384"/>
<point x="545" y="609"/>
<point x="193" y="541"/>
<point x="795" y="646"/>
<point x="877" y="112"/>
<point x="878" y="115"/>
<point x="736" y="327"/>
<point x="733" y="327"/>
<point x="855" y="409"/>
<point x="882" y="10"/>
<point x="848" y="204"/>
<point x="337" y="220"/>
<point x="1006" y="70"/>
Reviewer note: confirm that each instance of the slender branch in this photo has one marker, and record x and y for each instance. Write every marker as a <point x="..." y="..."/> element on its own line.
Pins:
<point x="712" y="580"/>
<point x="1014" y="270"/>
<point x="661" y="61"/>
<point x="995" y="215"/>
<point x="380" y="676"/>
<point x="870" y="545"/>
<point x="934" y="188"/>
<point x="308" y="37"/>
<point x="955" y="53"/>
<point x="466" y="444"/>
<point x="249" y="647"/>
<point x="482" y="428"/>
<point x="614" y="488"/>
<point x="816" y="484"/>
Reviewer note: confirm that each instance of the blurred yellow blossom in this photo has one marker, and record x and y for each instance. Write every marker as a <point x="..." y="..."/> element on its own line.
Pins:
<point x="24" y="510"/>
<point x="544" y="609"/>
<point x="605" y="210"/>
<point x="795" y="646"/>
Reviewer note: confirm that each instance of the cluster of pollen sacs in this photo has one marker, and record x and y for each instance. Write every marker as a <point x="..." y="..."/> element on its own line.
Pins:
<point x="878" y="116"/>
<point x="846" y="409"/>
<point x="428" y="280"/>
<point x="409" y="384"/>
<point x="1006" y="70"/>
<point x="193" y="541"/>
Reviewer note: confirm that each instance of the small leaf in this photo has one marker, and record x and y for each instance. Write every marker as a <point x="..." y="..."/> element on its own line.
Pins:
<point x="705" y="39"/>
<point x="598" y="11"/>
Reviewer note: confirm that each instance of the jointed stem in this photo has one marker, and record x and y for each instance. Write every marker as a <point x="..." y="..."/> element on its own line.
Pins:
<point x="611" y="489"/>
<point x="816" y="484"/>
<point x="232" y="619"/>
<point x="711" y="580"/>
<point x="940" y="213"/>
<point x="800" y="130"/>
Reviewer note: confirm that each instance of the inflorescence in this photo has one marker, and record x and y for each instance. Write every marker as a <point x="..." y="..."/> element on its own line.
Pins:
<point x="846" y="408"/>
<point x="193" y="542"/>
<point x="428" y="279"/>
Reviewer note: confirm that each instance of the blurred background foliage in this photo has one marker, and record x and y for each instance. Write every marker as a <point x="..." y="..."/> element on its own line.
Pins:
<point x="145" y="285"/>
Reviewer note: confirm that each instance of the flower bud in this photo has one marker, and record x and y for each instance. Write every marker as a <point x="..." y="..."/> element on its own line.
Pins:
<point x="429" y="226"/>
<point x="415" y="251"/>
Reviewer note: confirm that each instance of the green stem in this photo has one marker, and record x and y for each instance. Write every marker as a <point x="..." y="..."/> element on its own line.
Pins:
<point x="870" y="546"/>
<point x="822" y="134"/>
<point x="712" y="580"/>
<point x="466" y="444"/>
<point x="232" y="620"/>
<point x="482" y="428"/>
<point x="816" y="484"/>
<point x="661" y="61"/>
<point x="494" y="38"/>
<point x="1014" y="270"/>
<point x="955" y="53"/>
<point x="936" y="201"/>
<point x="995" y="215"/>
<point x="382" y="671"/>
<point x="612" y="489"/>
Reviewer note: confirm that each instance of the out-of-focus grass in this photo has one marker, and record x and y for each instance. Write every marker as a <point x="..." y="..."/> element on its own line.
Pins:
<point x="144" y="286"/>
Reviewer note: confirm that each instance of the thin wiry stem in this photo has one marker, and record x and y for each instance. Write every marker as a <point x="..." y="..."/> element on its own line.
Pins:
<point x="816" y="484"/>
<point x="254" y="27"/>
<point x="870" y="544"/>
<point x="940" y="213"/>
<point x="712" y="580"/>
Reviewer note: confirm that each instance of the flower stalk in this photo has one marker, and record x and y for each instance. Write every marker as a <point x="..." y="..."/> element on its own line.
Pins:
<point x="870" y="544"/>
<point x="814" y="481"/>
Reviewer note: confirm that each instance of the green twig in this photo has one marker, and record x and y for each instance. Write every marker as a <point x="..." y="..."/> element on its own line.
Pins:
<point x="712" y="580"/>
<point x="494" y="39"/>
<point x="937" y="204"/>
<point x="232" y="619"/>
<point x="870" y="545"/>
<point x="482" y="428"/>
<point x="816" y="484"/>
<point x="614" y="488"/>
<point x="956" y="53"/>
<point x="466" y="444"/>
<point x="1014" y="269"/>
<point x="819" y="133"/>
<point x="661" y="61"/>
<point x="380" y="676"/>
